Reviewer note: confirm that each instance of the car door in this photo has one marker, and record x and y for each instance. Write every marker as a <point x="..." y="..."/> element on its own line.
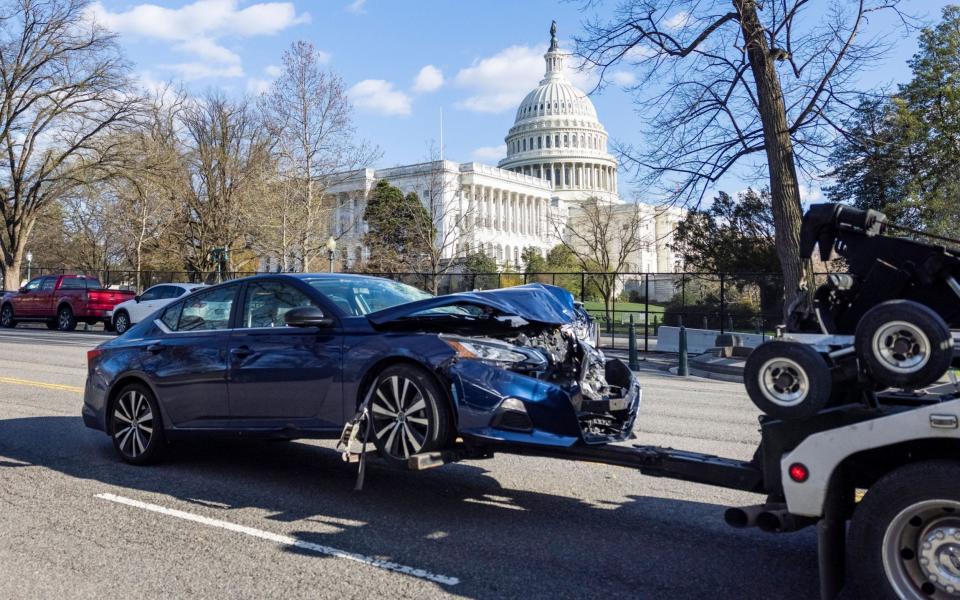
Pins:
<point x="41" y="302"/>
<point x="23" y="301"/>
<point x="187" y="361"/>
<point x="280" y="373"/>
<point x="150" y="301"/>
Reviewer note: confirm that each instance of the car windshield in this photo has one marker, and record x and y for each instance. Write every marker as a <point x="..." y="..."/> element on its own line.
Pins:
<point x="358" y="297"/>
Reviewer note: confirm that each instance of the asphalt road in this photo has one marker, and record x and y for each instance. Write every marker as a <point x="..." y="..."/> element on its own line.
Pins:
<point x="255" y="520"/>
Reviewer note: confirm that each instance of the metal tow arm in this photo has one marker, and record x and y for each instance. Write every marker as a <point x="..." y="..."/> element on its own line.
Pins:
<point x="349" y="438"/>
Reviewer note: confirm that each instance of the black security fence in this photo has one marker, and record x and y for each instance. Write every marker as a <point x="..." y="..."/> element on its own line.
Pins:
<point x="737" y="302"/>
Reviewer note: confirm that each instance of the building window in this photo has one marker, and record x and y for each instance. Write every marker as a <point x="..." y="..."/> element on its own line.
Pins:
<point x="524" y="143"/>
<point x="566" y="141"/>
<point x="539" y="142"/>
<point x="556" y="140"/>
<point x="548" y="141"/>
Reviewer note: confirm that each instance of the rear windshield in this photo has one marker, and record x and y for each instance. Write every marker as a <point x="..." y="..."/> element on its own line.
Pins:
<point x="79" y="283"/>
<point x="359" y="297"/>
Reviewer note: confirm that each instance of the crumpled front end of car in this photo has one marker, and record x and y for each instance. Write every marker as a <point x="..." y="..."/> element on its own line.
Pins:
<point x="561" y="393"/>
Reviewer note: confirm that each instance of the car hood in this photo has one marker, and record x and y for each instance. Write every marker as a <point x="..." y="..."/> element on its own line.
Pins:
<point x="533" y="302"/>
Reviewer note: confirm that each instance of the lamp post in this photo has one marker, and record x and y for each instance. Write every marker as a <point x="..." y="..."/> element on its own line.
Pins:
<point x="29" y="263"/>
<point x="331" y="248"/>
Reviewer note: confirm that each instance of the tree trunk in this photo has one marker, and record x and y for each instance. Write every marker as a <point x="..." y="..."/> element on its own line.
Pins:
<point x="11" y="272"/>
<point x="784" y="187"/>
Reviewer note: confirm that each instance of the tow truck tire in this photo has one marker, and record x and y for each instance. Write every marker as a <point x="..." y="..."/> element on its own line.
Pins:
<point x="904" y="538"/>
<point x="904" y="344"/>
<point x="787" y="380"/>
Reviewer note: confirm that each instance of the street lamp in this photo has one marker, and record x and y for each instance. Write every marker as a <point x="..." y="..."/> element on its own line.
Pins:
<point x="331" y="248"/>
<point x="29" y="263"/>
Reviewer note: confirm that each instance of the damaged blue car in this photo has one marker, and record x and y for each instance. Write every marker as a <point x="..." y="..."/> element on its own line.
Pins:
<point x="299" y="356"/>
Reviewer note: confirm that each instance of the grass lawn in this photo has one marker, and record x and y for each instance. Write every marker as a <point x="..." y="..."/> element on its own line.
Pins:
<point x="597" y="306"/>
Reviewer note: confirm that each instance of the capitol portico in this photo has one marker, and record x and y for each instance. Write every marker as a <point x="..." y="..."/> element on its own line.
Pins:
<point x="556" y="158"/>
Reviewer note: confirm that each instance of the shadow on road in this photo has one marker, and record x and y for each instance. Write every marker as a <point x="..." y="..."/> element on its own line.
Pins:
<point x="457" y="520"/>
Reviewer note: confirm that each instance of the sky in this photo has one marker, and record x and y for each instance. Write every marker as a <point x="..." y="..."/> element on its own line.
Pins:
<point x="406" y="61"/>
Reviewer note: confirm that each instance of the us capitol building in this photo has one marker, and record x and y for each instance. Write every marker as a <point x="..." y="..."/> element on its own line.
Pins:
<point x="556" y="159"/>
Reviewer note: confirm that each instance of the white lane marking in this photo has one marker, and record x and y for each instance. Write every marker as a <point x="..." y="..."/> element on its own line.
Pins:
<point x="284" y="540"/>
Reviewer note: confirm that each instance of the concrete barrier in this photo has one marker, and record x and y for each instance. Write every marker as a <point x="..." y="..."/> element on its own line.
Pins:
<point x="699" y="340"/>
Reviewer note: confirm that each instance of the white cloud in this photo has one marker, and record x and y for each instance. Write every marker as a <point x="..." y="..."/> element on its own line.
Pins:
<point x="810" y="193"/>
<point x="428" y="79"/>
<point x="624" y="78"/>
<point x="357" y="7"/>
<point x="210" y="51"/>
<point x="638" y="53"/>
<point x="195" y="28"/>
<point x="257" y="86"/>
<point x="190" y="71"/>
<point x="681" y="19"/>
<point x="379" y="96"/>
<point x="500" y="82"/>
<point x="490" y="154"/>
<point x="273" y="71"/>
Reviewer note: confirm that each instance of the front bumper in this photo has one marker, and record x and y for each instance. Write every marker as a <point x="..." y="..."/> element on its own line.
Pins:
<point x="496" y="405"/>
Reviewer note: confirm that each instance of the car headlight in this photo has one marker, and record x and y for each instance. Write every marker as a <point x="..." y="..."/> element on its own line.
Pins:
<point x="490" y="351"/>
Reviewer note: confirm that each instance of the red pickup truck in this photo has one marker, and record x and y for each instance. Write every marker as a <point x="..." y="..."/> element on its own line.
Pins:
<point x="61" y="301"/>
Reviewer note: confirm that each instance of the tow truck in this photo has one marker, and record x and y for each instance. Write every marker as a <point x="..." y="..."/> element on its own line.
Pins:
<point x="886" y="461"/>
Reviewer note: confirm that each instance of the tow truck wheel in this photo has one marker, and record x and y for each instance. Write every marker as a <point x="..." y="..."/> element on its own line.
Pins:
<point x="904" y="344"/>
<point x="904" y="538"/>
<point x="787" y="380"/>
<point x="409" y="414"/>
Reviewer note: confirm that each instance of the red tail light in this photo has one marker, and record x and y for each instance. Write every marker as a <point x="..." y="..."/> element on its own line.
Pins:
<point x="92" y="356"/>
<point x="798" y="472"/>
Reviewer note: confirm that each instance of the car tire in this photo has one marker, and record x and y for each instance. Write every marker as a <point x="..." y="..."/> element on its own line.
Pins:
<point x="903" y="533"/>
<point x="135" y="425"/>
<point x="904" y="344"/>
<point x="410" y="414"/>
<point x="121" y="322"/>
<point x="66" y="321"/>
<point x="6" y="317"/>
<point x="787" y="380"/>
<point x="51" y="324"/>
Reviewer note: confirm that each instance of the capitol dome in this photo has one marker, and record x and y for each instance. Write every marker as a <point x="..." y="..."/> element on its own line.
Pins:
<point x="557" y="136"/>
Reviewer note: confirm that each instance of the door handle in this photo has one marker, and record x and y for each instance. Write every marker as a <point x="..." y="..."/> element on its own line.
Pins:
<point x="155" y="348"/>
<point x="241" y="351"/>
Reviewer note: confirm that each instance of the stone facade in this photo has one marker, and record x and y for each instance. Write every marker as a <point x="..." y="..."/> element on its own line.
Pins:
<point x="556" y="158"/>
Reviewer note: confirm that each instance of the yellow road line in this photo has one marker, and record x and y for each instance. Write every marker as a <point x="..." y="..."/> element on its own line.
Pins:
<point x="41" y="384"/>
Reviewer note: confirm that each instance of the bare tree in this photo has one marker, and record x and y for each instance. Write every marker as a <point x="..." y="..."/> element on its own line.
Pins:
<point x="63" y="89"/>
<point x="227" y="170"/>
<point x="307" y="111"/>
<point x="605" y="238"/>
<point x="723" y="80"/>
<point x="147" y="191"/>
<point x="449" y="225"/>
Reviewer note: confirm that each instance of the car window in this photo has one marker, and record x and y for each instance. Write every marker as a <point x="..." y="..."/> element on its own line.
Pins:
<point x="208" y="311"/>
<point x="33" y="284"/>
<point x="268" y="301"/>
<point x="154" y="293"/>
<point x="359" y="296"/>
<point x="171" y="316"/>
<point x="48" y="283"/>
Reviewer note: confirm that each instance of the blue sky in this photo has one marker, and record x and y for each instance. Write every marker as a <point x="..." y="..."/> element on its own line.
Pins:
<point x="404" y="61"/>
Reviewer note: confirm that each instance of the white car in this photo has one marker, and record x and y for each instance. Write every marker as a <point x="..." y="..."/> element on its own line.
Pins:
<point x="129" y="313"/>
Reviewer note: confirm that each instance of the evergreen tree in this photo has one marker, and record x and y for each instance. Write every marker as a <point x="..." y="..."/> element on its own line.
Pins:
<point x="391" y="220"/>
<point x="533" y="261"/>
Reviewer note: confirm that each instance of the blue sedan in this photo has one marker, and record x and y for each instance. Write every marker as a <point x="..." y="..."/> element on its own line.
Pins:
<point x="298" y="356"/>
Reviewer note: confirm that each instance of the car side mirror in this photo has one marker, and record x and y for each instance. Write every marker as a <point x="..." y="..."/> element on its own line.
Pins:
<point x="137" y="298"/>
<point x="307" y="316"/>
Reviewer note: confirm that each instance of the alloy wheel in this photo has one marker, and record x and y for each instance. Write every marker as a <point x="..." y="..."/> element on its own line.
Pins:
<point x="401" y="416"/>
<point x="121" y="323"/>
<point x="132" y="423"/>
<point x="6" y="316"/>
<point x="901" y="347"/>
<point x="64" y="318"/>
